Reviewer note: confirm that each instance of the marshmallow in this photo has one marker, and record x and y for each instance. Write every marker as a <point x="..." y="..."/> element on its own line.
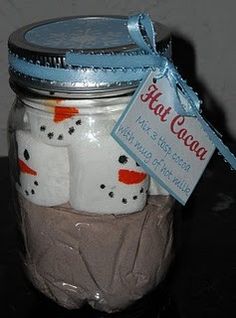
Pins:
<point x="44" y="171"/>
<point x="104" y="179"/>
<point x="156" y="189"/>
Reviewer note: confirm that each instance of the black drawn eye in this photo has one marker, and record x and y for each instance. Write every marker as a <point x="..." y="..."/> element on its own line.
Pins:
<point x="26" y="154"/>
<point x="137" y="164"/>
<point x="123" y="159"/>
<point x="154" y="80"/>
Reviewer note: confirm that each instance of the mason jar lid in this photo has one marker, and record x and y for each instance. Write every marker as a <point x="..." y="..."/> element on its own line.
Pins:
<point x="38" y="55"/>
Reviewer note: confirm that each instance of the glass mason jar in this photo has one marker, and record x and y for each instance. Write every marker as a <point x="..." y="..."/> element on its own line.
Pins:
<point x="96" y="228"/>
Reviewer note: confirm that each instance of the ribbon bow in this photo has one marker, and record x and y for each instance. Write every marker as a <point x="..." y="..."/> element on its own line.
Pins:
<point x="135" y="26"/>
<point x="143" y="22"/>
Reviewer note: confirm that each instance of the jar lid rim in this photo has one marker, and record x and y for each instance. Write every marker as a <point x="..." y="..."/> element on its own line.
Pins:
<point x="27" y="40"/>
<point x="38" y="53"/>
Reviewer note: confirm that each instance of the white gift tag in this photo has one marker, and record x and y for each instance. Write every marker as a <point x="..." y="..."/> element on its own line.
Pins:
<point x="173" y="149"/>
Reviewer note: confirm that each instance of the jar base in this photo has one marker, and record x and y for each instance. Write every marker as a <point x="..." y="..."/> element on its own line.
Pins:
<point x="106" y="261"/>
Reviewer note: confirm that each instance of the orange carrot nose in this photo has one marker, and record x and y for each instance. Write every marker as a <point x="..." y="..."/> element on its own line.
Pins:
<point x="62" y="113"/>
<point x="131" y="177"/>
<point x="24" y="168"/>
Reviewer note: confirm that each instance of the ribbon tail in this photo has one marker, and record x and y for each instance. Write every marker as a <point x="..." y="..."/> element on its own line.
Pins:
<point x="223" y="149"/>
<point x="193" y="110"/>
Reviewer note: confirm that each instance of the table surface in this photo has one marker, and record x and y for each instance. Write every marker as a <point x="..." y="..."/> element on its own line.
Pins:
<point x="201" y="281"/>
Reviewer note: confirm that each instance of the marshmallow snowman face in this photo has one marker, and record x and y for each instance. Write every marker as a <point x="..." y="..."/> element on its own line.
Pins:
<point x="44" y="171"/>
<point x="104" y="179"/>
<point x="59" y="127"/>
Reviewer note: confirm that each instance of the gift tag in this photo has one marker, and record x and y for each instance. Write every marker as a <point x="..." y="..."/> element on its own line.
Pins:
<point x="172" y="148"/>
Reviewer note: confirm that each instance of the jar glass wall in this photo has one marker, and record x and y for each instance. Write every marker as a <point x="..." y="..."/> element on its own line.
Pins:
<point x="97" y="229"/>
<point x="81" y="197"/>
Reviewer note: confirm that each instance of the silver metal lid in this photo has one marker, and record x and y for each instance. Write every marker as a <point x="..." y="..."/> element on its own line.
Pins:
<point x="37" y="55"/>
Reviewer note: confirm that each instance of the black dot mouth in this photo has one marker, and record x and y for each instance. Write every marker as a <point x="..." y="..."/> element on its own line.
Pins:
<point x="50" y="135"/>
<point x="124" y="200"/>
<point x="71" y="130"/>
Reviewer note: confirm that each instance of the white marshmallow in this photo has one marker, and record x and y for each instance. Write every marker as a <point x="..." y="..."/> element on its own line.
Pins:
<point x="156" y="189"/>
<point x="44" y="171"/>
<point x="104" y="179"/>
